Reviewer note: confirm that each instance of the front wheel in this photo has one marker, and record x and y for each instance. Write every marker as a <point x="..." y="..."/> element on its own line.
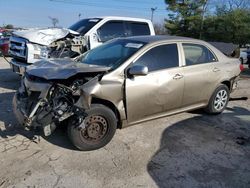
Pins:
<point x="99" y="128"/>
<point x="219" y="100"/>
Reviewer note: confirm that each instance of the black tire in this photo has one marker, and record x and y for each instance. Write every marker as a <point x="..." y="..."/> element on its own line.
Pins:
<point x="212" y="107"/>
<point x="80" y="137"/>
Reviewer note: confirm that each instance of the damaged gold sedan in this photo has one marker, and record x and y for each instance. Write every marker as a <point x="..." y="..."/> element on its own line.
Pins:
<point x="124" y="82"/>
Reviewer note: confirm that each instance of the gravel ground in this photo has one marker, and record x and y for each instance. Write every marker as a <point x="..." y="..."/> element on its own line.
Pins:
<point x="186" y="150"/>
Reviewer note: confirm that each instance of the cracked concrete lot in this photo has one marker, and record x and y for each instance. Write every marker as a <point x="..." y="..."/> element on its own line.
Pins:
<point x="186" y="150"/>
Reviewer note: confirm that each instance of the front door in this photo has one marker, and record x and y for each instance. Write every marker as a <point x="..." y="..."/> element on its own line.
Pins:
<point x="159" y="91"/>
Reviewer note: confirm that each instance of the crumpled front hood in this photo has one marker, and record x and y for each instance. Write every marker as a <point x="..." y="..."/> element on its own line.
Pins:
<point x="45" y="36"/>
<point x="59" y="69"/>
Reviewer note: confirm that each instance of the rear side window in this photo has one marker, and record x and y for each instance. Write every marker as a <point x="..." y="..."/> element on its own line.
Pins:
<point x="137" y="28"/>
<point x="111" y="30"/>
<point x="160" y="57"/>
<point x="197" y="54"/>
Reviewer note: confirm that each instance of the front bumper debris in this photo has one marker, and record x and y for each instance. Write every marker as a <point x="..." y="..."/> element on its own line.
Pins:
<point x="18" y="67"/>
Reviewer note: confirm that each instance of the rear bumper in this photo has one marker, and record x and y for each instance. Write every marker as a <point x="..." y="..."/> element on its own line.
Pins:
<point x="18" y="67"/>
<point x="234" y="84"/>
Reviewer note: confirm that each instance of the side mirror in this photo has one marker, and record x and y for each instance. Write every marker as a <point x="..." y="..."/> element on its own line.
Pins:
<point x="138" y="70"/>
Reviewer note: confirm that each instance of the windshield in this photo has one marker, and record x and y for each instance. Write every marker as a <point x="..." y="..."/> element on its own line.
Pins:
<point x="83" y="26"/>
<point x="112" y="54"/>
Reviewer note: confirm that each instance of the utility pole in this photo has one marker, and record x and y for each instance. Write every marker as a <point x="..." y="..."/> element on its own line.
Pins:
<point x="204" y="7"/>
<point x="152" y="13"/>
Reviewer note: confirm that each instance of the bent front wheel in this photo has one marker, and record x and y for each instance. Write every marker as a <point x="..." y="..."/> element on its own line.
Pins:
<point x="99" y="128"/>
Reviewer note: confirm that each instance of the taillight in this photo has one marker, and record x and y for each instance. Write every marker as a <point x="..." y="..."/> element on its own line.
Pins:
<point x="241" y="67"/>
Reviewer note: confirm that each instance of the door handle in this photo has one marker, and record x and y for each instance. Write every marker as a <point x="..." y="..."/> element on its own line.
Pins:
<point x="216" y="69"/>
<point x="177" y="77"/>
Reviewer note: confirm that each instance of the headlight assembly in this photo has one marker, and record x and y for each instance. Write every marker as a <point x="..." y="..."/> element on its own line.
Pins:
<point x="40" y="52"/>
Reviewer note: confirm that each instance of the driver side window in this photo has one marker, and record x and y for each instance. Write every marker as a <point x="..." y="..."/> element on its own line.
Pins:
<point x="111" y="30"/>
<point x="160" y="57"/>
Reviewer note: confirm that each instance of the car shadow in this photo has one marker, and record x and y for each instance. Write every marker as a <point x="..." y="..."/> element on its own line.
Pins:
<point x="11" y="128"/>
<point x="9" y="79"/>
<point x="204" y="151"/>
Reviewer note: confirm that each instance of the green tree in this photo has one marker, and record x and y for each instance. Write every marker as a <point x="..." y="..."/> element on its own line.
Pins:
<point x="186" y="17"/>
<point x="54" y="21"/>
<point x="230" y="22"/>
<point x="9" y="26"/>
<point x="228" y="26"/>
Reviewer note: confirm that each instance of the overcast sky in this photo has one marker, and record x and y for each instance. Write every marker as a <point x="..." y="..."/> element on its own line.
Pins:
<point x="35" y="13"/>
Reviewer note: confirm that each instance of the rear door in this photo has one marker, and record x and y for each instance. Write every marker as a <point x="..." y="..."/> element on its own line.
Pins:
<point x="200" y="73"/>
<point x="159" y="91"/>
<point x="136" y="28"/>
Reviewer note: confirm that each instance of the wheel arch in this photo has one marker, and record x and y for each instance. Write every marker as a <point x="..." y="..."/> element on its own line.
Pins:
<point x="111" y="106"/>
<point x="227" y="83"/>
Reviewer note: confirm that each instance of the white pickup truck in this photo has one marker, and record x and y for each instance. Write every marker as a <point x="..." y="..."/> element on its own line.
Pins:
<point x="28" y="47"/>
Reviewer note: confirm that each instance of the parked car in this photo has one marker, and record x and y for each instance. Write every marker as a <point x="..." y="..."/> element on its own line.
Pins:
<point x="124" y="82"/>
<point x="4" y="46"/>
<point x="248" y="55"/>
<point x="27" y="47"/>
<point x="244" y="57"/>
<point x="2" y="32"/>
<point x="4" y="41"/>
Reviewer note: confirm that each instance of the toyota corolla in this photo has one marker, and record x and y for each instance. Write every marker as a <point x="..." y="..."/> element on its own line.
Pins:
<point x="124" y="82"/>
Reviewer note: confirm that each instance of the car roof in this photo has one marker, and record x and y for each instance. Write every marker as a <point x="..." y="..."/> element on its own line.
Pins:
<point x="121" y="18"/>
<point x="158" y="38"/>
<point x="167" y="38"/>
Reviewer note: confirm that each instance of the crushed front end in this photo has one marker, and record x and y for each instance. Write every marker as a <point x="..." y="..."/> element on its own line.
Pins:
<point x="43" y="104"/>
<point x="28" y="47"/>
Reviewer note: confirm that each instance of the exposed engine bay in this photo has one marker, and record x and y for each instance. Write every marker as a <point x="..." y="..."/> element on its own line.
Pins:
<point x="36" y="44"/>
<point x="46" y="103"/>
<point x="70" y="46"/>
<point x="48" y="111"/>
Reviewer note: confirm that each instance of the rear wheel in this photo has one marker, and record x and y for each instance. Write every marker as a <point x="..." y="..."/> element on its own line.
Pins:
<point x="219" y="100"/>
<point x="98" y="128"/>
